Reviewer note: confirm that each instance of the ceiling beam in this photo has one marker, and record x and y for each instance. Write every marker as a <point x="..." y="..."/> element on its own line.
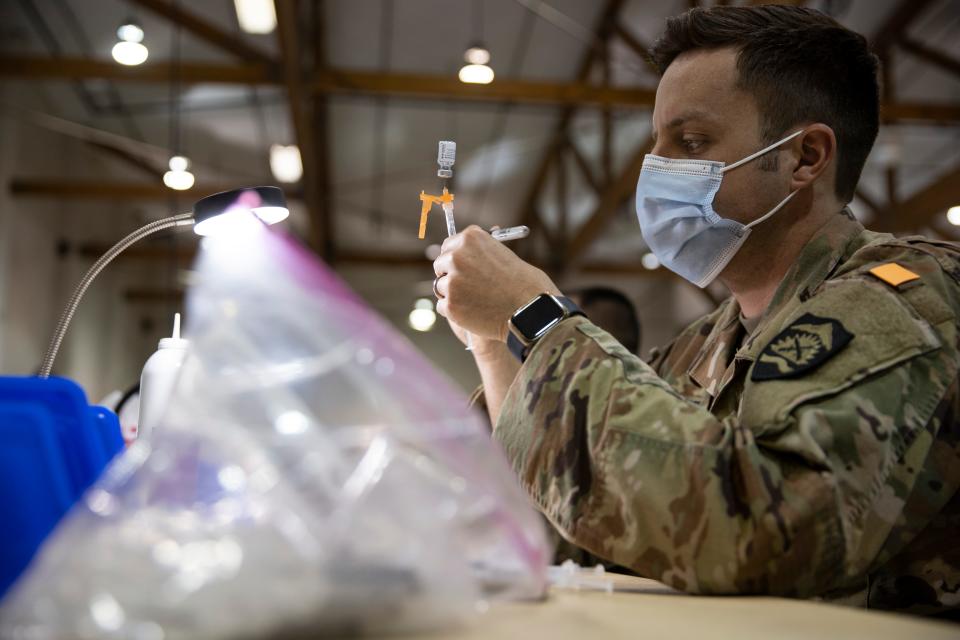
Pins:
<point x="933" y="56"/>
<point x="528" y="212"/>
<point x="896" y="23"/>
<point x="319" y="108"/>
<point x="430" y="87"/>
<point x="206" y="31"/>
<point x="70" y="189"/>
<point x="789" y="3"/>
<point x="613" y="196"/>
<point x="585" y="171"/>
<point x="409" y="85"/>
<point x="288" y="20"/>
<point x="639" y="48"/>
<point x="920" y="209"/>
<point x="26" y="68"/>
<point x="147" y="295"/>
<point x="930" y="113"/>
<point x="142" y="165"/>
<point x="187" y="253"/>
<point x="869" y="201"/>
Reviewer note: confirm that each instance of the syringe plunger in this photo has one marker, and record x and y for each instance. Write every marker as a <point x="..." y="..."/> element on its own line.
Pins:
<point x="446" y="155"/>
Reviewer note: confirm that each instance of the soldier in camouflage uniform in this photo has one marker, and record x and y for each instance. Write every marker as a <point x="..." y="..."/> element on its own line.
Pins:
<point x="802" y="443"/>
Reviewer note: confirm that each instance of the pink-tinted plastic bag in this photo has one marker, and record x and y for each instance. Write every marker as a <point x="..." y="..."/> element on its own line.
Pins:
<point x="313" y="473"/>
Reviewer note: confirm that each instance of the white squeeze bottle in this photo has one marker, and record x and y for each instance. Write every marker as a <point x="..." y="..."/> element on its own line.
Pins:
<point x="158" y="378"/>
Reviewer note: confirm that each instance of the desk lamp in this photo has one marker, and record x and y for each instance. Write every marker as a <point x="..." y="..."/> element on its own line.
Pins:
<point x="212" y="215"/>
<point x="53" y="445"/>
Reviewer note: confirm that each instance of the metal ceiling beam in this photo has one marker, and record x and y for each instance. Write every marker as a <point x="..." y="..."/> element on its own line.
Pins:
<point x="26" y="68"/>
<point x="919" y="209"/>
<point x="931" y="113"/>
<point x="319" y="108"/>
<point x="69" y="189"/>
<point x="430" y="87"/>
<point x="633" y="42"/>
<point x="528" y="213"/>
<point x="206" y="31"/>
<point x="933" y="56"/>
<point x="142" y="165"/>
<point x="409" y="85"/>
<point x="293" y="75"/>
<point x="897" y="22"/>
<point x="789" y="3"/>
<point x="187" y="253"/>
<point x="613" y="196"/>
<point x="585" y="171"/>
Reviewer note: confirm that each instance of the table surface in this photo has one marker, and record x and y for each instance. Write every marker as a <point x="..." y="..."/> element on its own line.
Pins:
<point x="644" y="608"/>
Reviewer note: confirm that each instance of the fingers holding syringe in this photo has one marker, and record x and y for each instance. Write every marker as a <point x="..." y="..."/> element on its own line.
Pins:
<point x="480" y="283"/>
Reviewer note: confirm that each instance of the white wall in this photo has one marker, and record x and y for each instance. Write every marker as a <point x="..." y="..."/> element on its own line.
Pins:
<point x="104" y="348"/>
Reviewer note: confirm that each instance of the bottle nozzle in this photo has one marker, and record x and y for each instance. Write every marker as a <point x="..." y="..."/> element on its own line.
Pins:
<point x="176" y="326"/>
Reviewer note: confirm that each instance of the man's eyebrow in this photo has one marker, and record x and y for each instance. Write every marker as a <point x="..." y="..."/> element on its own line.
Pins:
<point x="693" y="114"/>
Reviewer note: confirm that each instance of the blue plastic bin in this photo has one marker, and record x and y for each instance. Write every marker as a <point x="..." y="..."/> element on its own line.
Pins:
<point x="53" y="446"/>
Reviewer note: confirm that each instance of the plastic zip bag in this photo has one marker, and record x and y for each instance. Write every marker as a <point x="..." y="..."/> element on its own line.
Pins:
<point x="313" y="473"/>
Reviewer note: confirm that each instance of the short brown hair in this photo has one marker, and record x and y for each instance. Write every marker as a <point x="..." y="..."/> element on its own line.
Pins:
<point x="800" y="65"/>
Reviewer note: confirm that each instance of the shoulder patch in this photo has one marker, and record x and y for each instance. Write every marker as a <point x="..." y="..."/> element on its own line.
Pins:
<point x="803" y="346"/>
<point x="893" y="274"/>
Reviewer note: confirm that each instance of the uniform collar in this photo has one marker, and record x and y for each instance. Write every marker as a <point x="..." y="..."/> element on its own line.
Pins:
<point x="828" y="248"/>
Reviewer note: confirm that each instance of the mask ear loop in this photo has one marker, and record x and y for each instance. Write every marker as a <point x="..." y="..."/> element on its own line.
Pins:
<point x="771" y="212"/>
<point x="756" y="155"/>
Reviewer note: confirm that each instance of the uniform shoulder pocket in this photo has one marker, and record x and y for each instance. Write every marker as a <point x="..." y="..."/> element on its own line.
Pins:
<point x="884" y="332"/>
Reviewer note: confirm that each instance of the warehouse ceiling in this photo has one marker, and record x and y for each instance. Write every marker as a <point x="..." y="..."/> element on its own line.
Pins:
<point x="366" y="88"/>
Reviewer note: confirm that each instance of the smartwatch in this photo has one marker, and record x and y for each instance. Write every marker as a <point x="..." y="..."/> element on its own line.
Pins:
<point x="534" y="319"/>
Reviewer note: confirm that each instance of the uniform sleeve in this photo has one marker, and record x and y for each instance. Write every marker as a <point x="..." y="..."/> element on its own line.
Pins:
<point x="628" y="469"/>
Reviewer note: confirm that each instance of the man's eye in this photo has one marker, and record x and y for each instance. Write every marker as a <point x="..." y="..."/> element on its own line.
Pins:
<point x="692" y="145"/>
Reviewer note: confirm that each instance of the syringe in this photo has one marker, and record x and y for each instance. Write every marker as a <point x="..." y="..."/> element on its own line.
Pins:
<point x="510" y="233"/>
<point x="446" y="157"/>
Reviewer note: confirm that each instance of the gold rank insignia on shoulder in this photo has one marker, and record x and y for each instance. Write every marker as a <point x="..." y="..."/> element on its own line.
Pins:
<point x="893" y="274"/>
<point x="803" y="346"/>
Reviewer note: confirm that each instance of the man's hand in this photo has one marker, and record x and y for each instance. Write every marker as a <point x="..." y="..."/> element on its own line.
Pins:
<point x="480" y="347"/>
<point x="481" y="283"/>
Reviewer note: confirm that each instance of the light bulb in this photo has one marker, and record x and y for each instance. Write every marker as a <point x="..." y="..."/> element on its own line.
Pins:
<point x="432" y="252"/>
<point x="649" y="261"/>
<point x="476" y="74"/>
<point x="129" y="51"/>
<point x="178" y="178"/>
<point x="422" y="319"/>
<point x="129" y="54"/>
<point x="285" y="162"/>
<point x="477" y="54"/>
<point x="130" y="32"/>
<point x="953" y="215"/>
<point x="256" y="16"/>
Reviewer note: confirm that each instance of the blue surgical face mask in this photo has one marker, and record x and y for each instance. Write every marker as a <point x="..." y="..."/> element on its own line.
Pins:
<point x="675" y="209"/>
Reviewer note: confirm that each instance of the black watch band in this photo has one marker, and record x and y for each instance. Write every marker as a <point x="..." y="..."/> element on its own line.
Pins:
<point x="520" y="344"/>
<point x="517" y="348"/>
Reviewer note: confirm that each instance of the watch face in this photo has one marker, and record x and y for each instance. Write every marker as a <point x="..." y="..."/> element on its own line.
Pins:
<point x="538" y="316"/>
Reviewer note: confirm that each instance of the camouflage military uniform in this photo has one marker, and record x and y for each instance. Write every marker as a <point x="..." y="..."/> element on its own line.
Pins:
<point x="820" y="456"/>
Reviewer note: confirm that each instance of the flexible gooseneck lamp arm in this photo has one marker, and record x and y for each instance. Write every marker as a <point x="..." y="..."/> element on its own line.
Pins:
<point x="210" y="214"/>
<point x="184" y="219"/>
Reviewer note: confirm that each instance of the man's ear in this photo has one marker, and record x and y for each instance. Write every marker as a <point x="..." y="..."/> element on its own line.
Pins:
<point x="815" y="151"/>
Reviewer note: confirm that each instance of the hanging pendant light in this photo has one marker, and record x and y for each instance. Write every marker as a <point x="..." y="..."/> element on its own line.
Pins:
<point x="256" y="16"/>
<point x="477" y="69"/>
<point x="285" y="163"/>
<point x="179" y="177"/>
<point x="130" y="50"/>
